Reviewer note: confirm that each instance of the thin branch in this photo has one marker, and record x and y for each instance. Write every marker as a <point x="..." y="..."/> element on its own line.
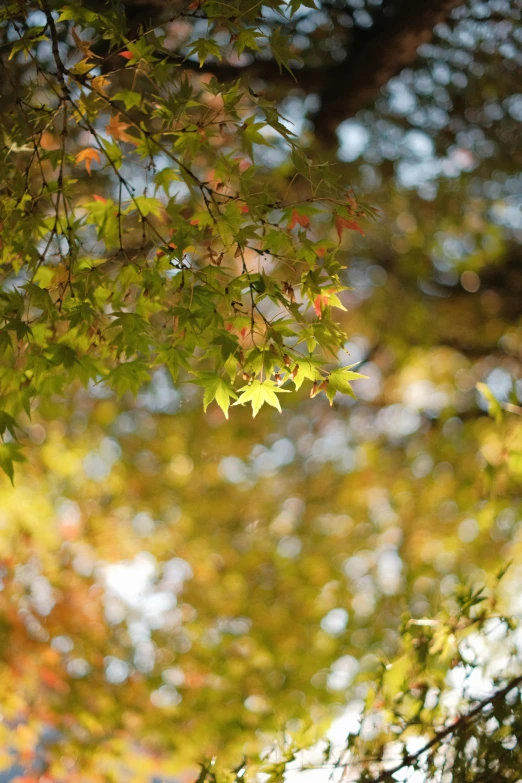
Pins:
<point x="453" y="728"/>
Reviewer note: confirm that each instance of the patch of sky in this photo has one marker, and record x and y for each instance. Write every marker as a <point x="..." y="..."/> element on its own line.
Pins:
<point x="141" y="586"/>
<point x="423" y="395"/>
<point x="267" y="461"/>
<point x="116" y="670"/>
<point x="98" y="463"/>
<point x="99" y="390"/>
<point x="160" y="396"/>
<point x="397" y="422"/>
<point x="233" y="470"/>
<point x="342" y="673"/>
<point x="354" y="139"/>
<point x="500" y="382"/>
<point x="335" y="621"/>
<point x="354" y="351"/>
<point x="177" y="189"/>
<point x="401" y="99"/>
<point x="508" y="212"/>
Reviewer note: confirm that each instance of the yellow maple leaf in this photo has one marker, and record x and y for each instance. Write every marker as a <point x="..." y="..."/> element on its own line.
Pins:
<point x="100" y="84"/>
<point x="83" y="46"/>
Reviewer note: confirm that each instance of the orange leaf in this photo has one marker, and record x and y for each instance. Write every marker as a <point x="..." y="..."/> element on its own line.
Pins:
<point x="99" y="198"/>
<point x="87" y="156"/>
<point x="296" y="218"/>
<point x="128" y="55"/>
<point x="49" y="142"/>
<point x="341" y="223"/>
<point x="320" y="301"/>
<point x="117" y="129"/>
<point x="243" y="208"/>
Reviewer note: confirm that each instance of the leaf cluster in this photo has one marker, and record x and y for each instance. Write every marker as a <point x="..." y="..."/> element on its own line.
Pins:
<point x="143" y="223"/>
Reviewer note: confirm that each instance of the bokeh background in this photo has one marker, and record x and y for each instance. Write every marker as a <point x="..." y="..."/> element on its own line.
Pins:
<point x="175" y="585"/>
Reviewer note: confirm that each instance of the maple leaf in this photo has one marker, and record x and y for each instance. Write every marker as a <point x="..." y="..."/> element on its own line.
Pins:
<point x="117" y="129"/>
<point x="87" y="156"/>
<point x="99" y="198"/>
<point x="100" y="84"/>
<point x="49" y="142"/>
<point x="296" y="218"/>
<point x="128" y="55"/>
<point x="83" y="46"/>
<point x="258" y="393"/>
<point x="341" y="223"/>
<point x="320" y="301"/>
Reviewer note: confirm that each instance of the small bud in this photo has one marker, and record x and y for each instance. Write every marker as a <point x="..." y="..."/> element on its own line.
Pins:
<point x="314" y="390"/>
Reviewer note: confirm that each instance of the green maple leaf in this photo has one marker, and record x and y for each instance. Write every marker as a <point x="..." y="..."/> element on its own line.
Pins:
<point x="204" y="48"/>
<point x="216" y="388"/>
<point x="259" y="392"/>
<point x="9" y="454"/>
<point x="339" y="381"/>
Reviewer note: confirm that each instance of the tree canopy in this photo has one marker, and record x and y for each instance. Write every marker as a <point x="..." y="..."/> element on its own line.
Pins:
<point x="181" y="243"/>
<point x="256" y="199"/>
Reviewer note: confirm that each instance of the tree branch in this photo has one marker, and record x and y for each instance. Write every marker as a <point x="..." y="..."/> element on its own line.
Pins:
<point x="378" y="54"/>
<point x="459" y="724"/>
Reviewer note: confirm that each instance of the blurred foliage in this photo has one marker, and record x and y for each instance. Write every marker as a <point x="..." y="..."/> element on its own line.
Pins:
<point x="201" y="587"/>
<point x="420" y="721"/>
<point x="177" y="587"/>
